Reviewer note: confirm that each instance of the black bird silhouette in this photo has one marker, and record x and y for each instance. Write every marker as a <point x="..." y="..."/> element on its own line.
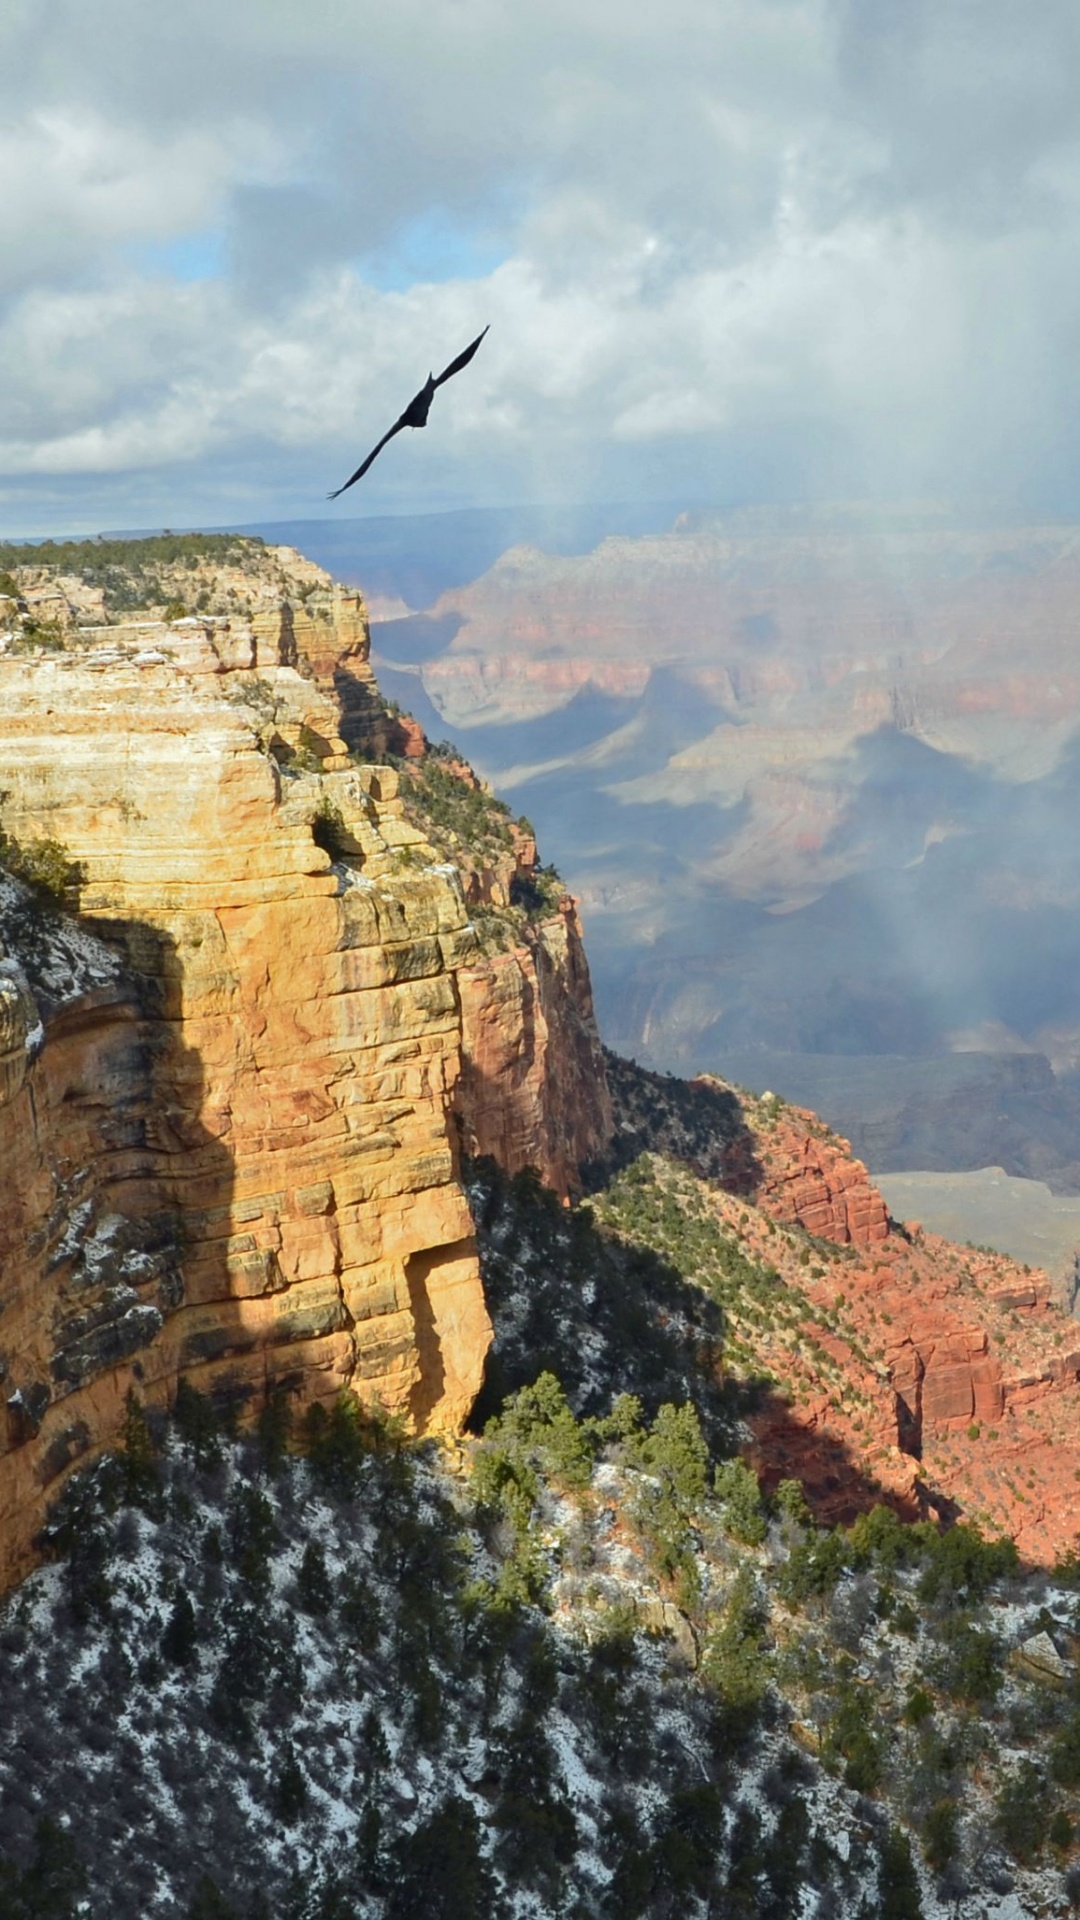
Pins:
<point x="415" y="414"/>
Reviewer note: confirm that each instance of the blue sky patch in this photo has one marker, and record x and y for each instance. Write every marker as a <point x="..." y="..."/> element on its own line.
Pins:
<point x="434" y="247"/>
<point x="191" y="256"/>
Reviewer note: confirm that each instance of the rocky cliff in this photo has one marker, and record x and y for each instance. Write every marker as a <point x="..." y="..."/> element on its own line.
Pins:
<point x="231" y="1089"/>
<point x="883" y="1361"/>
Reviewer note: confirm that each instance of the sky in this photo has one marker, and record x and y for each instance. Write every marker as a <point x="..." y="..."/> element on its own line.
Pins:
<point x="730" y="251"/>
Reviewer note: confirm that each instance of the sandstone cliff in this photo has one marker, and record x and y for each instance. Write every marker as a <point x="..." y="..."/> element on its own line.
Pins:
<point x="231" y="1092"/>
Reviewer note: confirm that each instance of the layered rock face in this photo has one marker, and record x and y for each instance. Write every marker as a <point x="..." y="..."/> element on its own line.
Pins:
<point x="890" y="1363"/>
<point x="533" y="1091"/>
<point x="811" y="1180"/>
<point x="953" y="1378"/>
<point x="226" y="1093"/>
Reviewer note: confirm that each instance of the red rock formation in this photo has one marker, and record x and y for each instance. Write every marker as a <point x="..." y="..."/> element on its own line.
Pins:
<point x="947" y="1376"/>
<point x="812" y="1181"/>
<point x="406" y="737"/>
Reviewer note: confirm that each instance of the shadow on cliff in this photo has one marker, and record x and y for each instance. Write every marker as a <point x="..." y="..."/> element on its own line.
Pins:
<point x="603" y="1314"/>
<point x="610" y="1316"/>
<point x="171" y="1176"/>
<point x="837" y="1484"/>
<point x="688" y="1120"/>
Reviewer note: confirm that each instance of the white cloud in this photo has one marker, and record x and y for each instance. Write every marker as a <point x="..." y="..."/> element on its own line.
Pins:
<point x="834" y="234"/>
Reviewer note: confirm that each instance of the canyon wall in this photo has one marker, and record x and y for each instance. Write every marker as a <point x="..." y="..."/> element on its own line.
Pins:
<point x="533" y="1090"/>
<point x="952" y="1376"/>
<point x="228" y="1089"/>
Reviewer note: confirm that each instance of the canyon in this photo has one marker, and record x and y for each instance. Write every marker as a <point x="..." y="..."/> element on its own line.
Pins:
<point x="304" y="1110"/>
<point x="233" y="1088"/>
<point x="812" y="776"/>
<point x="301" y="966"/>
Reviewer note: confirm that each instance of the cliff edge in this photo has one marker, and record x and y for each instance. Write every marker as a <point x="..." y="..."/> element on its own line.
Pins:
<point x="233" y="1086"/>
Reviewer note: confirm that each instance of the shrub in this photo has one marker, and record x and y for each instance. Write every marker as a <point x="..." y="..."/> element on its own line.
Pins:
<point x="439" y="1871"/>
<point x="676" y="1450"/>
<point x="290" y="1787"/>
<point x="43" y="865"/>
<point x="850" y="1737"/>
<point x="50" y="1888"/>
<point x="140" y="1478"/>
<point x="536" y="1827"/>
<point x="253" y="1534"/>
<point x="790" y="1500"/>
<point x="337" y="1442"/>
<point x="918" y="1707"/>
<point x="537" y="1426"/>
<point x="198" y="1426"/>
<point x="898" y="1882"/>
<point x="41" y="631"/>
<point x="272" y="1430"/>
<point x="684" y="1853"/>
<point x="744" y="1514"/>
<point x="940" y="1835"/>
<point x="209" y="1903"/>
<point x="963" y="1561"/>
<point x="882" y="1538"/>
<point x="1065" y="1753"/>
<point x="968" y="1663"/>
<point x="313" y="1580"/>
<point x="1021" y="1814"/>
<point x="180" y="1635"/>
<point x="328" y="830"/>
<point x="1061" y="1832"/>
<point x="733" y="1659"/>
<point x="812" y="1568"/>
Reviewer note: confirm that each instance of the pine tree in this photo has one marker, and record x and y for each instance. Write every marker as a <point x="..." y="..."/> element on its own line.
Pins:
<point x="290" y="1788"/>
<point x="180" y="1635"/>
<point x="140" y="1479"/>
<point x="898" y="1882"/>
<point x="51" y="1886"/>
<point x="197" y="1425"/>
<point x="209" y="1903"/>
<point x="272" y="1431"/>
<point x="441" y="1873"/>
<point x="313" y="1580"/>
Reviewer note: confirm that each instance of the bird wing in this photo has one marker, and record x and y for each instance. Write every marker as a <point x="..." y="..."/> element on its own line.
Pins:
<point x="375" y="451"/>
<point x="461" y="361"/>
<point x="404" y="421"/>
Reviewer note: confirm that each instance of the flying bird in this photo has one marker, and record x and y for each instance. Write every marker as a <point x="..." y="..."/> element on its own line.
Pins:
<point x="415" y="414"/>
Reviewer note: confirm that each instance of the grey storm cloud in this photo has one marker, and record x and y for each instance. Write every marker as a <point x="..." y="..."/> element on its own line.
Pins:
<point x="798" y="246"/>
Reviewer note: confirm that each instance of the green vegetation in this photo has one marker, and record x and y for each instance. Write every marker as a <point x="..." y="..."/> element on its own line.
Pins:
<point x="657" y="1204"/>
<point x="36" y="631"/>
<point x="50" y="1887"/>
<point x="619" y="1674"/>
<point x="452" y="812"/>
<point x="602" y="1312"/>
<point x="1022" y="1813"/>
<point x="91" y="559"/>
<point x="468" y="825"/>
<point x="329" y="830"/>
<point x="132" y="574"/>
<point x="476" y="1612"/>
<point x="44" y="865"/>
